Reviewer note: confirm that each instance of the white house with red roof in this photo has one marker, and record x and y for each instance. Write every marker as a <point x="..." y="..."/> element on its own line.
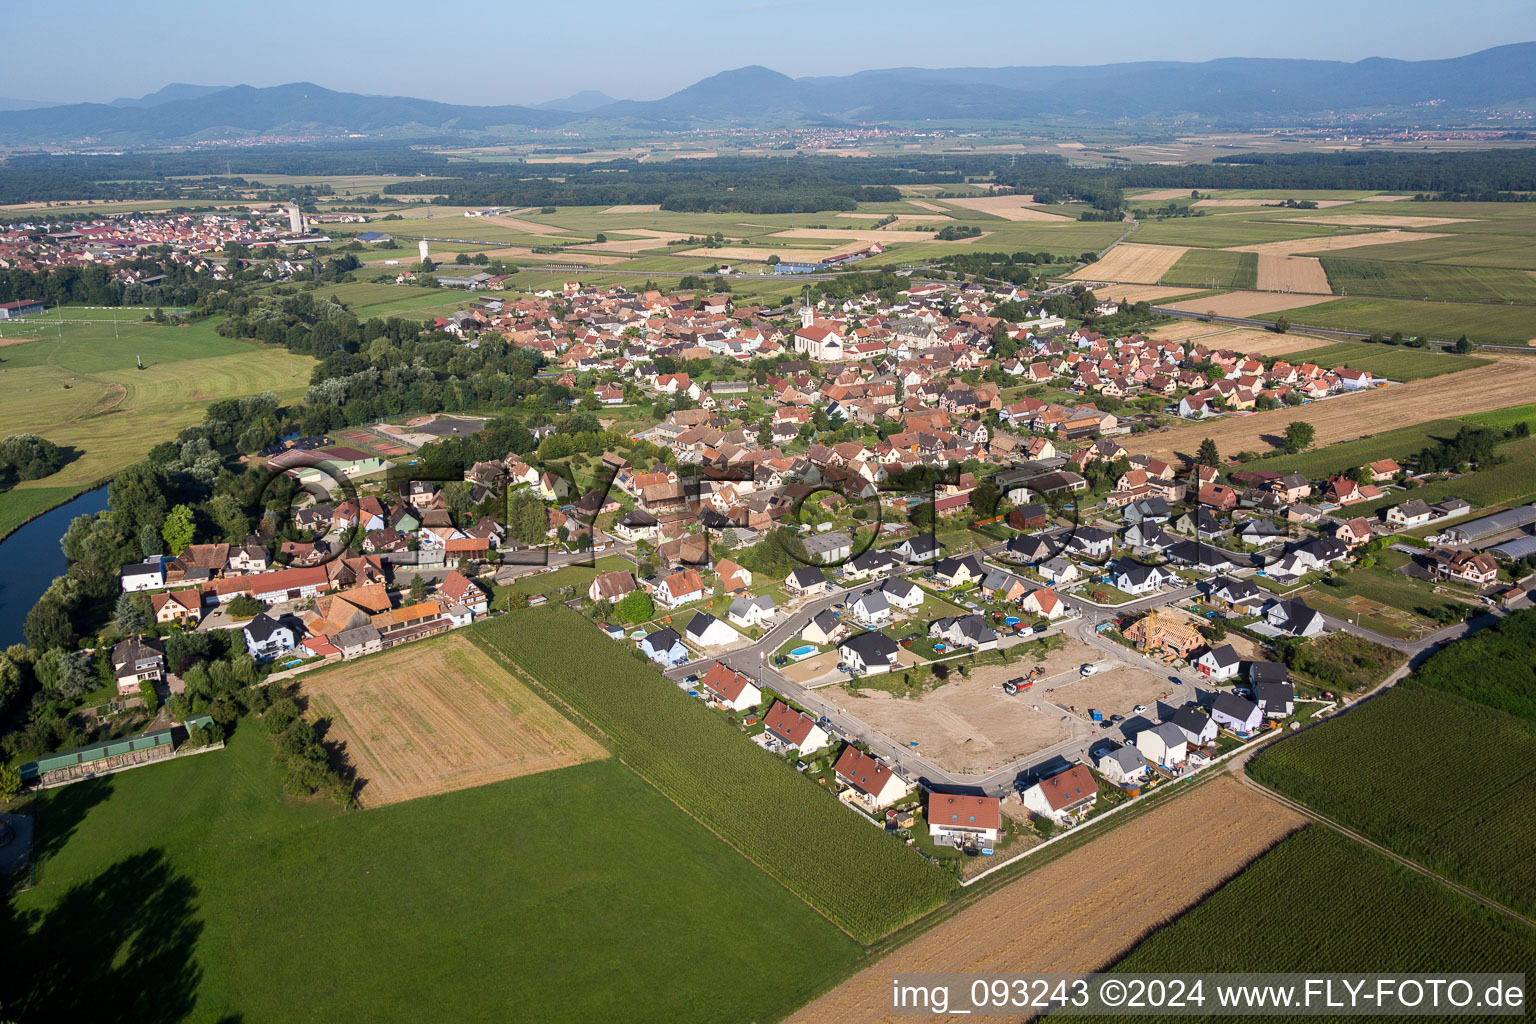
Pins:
<point x="794" y="729"/>
<point x="1063" y="796"/>
<point x="733" y="689"/>
<point x="869" y="780"/>
<point x="957" y="816"/>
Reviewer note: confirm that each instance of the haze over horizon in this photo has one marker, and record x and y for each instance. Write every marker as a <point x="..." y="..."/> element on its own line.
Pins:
<point x="645" y="52"/>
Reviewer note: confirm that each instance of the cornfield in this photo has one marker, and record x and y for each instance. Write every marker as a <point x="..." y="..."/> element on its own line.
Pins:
<point x="1445" y="782"/>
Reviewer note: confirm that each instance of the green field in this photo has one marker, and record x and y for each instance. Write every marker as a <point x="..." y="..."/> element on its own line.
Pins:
<point x="1504" y="418"/>
<point x="78" y="384"/>
<point x="1391" y="444"/>
<point x="1511" y="481"/>
<point x="1321" y="902"/>
<point x="22" y="505"/>
<point x="792" y="828"/>
<point x="1213" y="232"/>
<point x="1494" y="325"/>
<point x="194" y="890"/>
<point x="1401" y="280"/>
<point x="1215" y="268"/>
<point x="1435" y="777"/>
<point x="1394" y="362"/>
<point x="1492" y="668"/>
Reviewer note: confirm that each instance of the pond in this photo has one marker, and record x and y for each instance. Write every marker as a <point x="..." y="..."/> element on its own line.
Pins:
<point x="32" y="558"/>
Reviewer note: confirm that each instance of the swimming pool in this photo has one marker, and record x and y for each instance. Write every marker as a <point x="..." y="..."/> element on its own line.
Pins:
<point x="803" y="651"/>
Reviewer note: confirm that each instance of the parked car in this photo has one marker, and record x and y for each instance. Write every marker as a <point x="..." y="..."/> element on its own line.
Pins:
<point x="1140" y="709"/>
<point x="1089" y="669"/>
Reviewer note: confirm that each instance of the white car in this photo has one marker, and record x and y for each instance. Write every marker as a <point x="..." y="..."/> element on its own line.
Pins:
<point x="1140" y="709"/>
<point x="1089" y="669"/>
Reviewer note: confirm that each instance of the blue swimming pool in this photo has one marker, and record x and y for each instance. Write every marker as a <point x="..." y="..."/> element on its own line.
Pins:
<point x="803" y="651"/>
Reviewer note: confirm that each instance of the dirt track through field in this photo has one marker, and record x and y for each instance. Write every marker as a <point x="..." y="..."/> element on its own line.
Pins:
<point x="439" y="716"/>
<point x="1085" y="910"/>
<point x="1303" y="274"/>
<point x="1508" y="381"/>
<point x="1132" y="263"/>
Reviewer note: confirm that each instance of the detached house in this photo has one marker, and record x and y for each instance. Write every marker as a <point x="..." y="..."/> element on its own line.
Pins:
<point x="794" y="729"/>
<point x="870" y="782"/>
<point x="682" y="587"/>
<point x="1063" y="796"/>
<point x="733" y="689"/>
<point x="266" y="638"/>
<point x="135" y="661"/>
<point x="954" y="817"/>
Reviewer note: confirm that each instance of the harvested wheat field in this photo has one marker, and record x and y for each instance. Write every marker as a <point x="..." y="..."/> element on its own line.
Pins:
<point x="1185" y="330"/>
<point x="1328" y="243"/>
<point x="1251" y="203"/>
<point x="861" y="234"/>
<point x="635" y="208"/>
<point x="1140" y="292"/>
<point x="1252" y="342"/>
<point x="1083" y="911"/>
<point x="1247" y="303"/>
<point x="1164" y="194"/>
<point x="1133" y="263"/>
<point x="528" y="227"/>
<point x="915" y="218"/>
<point x="1292" y="274"/>
<point x="923" y="204"/>
<point x="1507" y="381"/>
<point x="1007" y="207"/>
<point x="1378" y="220"/>
<point x="437" y="716"/>
<point x="746" y="253"/>
<point x="1385" y="199"/>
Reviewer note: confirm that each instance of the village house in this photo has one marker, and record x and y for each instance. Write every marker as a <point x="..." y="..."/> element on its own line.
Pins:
<point x="964" y="819"/>
<point x="869" y="781"/>
<point x="794" y="729"/>
<point x="732" y="689"/>
<point x="1062" y="797"/>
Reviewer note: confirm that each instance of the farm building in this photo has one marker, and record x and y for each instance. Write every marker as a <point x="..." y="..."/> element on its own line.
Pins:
<point x="1490" y="526"/>
<point x="21" y="307"/>
<point x="101" y="758"/>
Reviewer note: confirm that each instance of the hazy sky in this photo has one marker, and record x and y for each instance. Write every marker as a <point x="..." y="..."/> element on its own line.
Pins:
<point x="520" y="52"/>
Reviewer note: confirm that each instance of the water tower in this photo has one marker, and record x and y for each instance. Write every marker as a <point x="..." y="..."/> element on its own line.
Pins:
<point x="295" y="220"/>
<point x="423" y="246"/>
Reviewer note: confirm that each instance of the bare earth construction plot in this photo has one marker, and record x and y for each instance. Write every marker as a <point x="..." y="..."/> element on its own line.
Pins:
<point x="1133" y="263"/>
<point x="1509" y="381"/>
<point x="1085" y="910"/>
<point x="440" y="716"/>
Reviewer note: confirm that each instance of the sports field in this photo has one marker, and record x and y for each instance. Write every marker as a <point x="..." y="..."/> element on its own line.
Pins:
<point x="436" y="716"/>
<point x="77" y="384"/>
<point x="572" y="895"/>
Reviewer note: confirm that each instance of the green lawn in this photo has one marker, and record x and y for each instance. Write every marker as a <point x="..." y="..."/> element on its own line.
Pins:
<point x="578" y="576"/>
<point x="194" y="890"/>
<point x="24" y="504"/>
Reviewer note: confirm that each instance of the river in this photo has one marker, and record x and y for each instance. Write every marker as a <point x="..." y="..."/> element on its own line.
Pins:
<point x="31" y="557"/>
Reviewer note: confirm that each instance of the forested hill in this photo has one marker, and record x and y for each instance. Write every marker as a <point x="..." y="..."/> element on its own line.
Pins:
<point x="1227" y="91"/>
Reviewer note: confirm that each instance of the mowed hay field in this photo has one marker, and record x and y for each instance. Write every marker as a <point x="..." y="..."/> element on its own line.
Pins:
<point x="1084" y="910"/>
<point x="1131" y="263"/>
<point x="195" y="890"/>
<point x="1007" y="207"/>
<point x="1247" y="303"/>
<point x="1292" y="274"/>
<point x="1508" y="381"/>
<point x="78" y="384"/>
<point x="436" y="716"/>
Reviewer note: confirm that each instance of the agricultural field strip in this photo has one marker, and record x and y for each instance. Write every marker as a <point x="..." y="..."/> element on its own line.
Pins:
<point x="710" y="770"/>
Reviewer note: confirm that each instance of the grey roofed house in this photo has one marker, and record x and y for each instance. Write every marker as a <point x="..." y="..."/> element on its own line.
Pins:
<point x="870" y="605"/>
<point x="135" y="653"/>
<point x="637" y="519"/>
<point x="825" y="621"/>
<point x="743" y="606"/>
<point x="1224" y="656"/>
<point x="1275" y="697"/>
<point x="1147" y="510"/>
<point x="1201" y="556"/>
<point x="699" y="624"/>
<point x="1267" y="672"/>
<point x="873" y="561"/>
<point x="874" y="648"/>
<point x="898" y="588"/>
<point x="1149" y="535"/>
<point x="1323" y="549"/>
<point x="1292" y="481"/>
<point x="1294" y="616"/>
<point x="663" y="639"/>
<point x="357" y="637"/>
<point x="950" y="567"/>
<point x="1233" y="707"/>
<point x="1413" y="508"/>
<point x="261" y="628"/>
<point x="1260" y="528"/>
<point x="1088" y="538"/>
<point x="806" y="577"/>
<point x="1136" y="574"/>
<point x="1235" y="591"/>
<point x="1128" y="758"/>
<point x="970" y="629"/>
<point x="922" y="547"/>
<point x="1192" y="723"/>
